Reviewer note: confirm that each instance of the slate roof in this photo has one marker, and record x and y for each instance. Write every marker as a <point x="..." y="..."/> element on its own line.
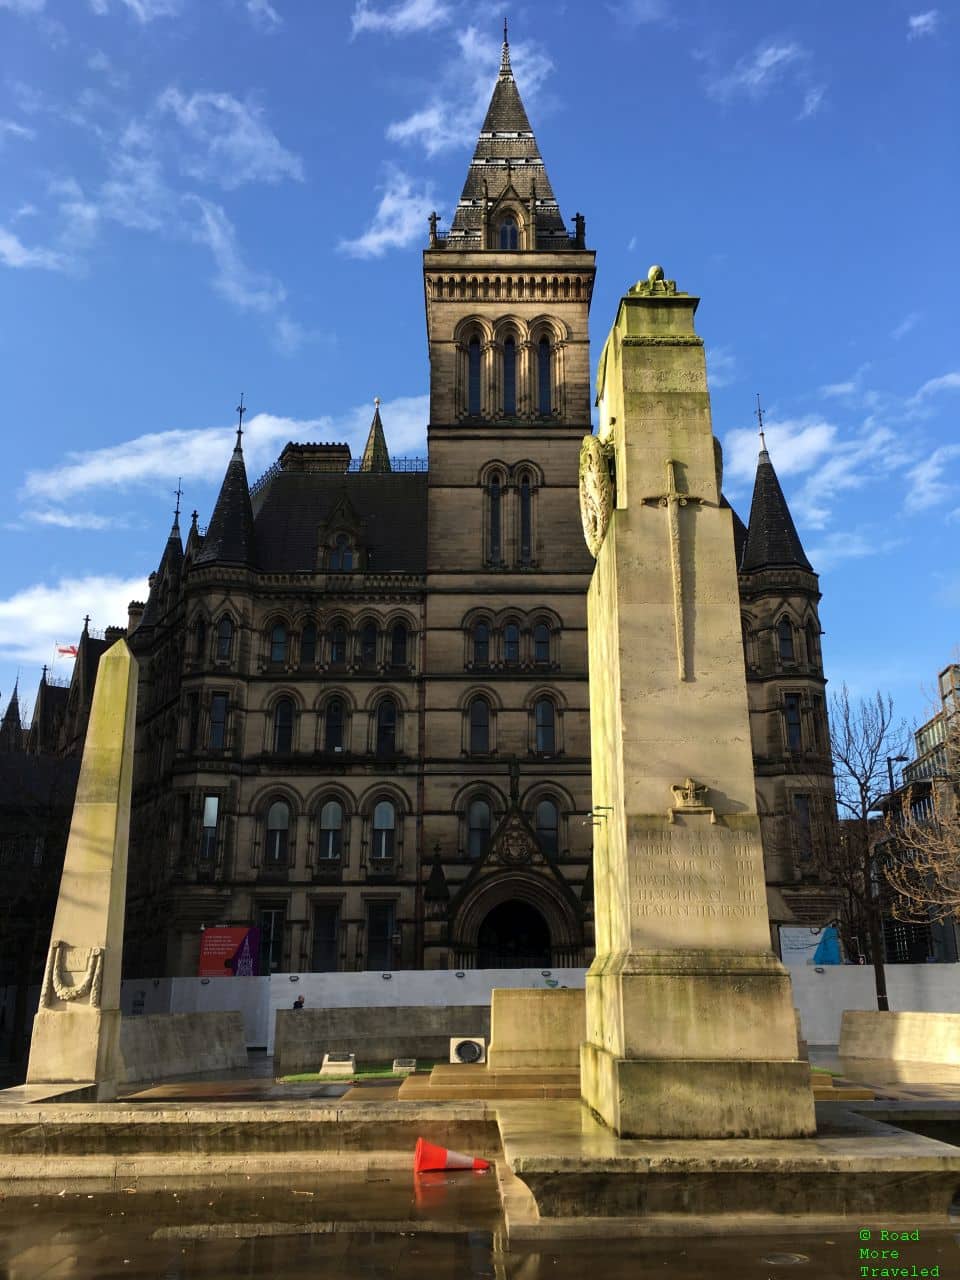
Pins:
<point x="772" y="539"/>
<point x="230" y="536"/>
<point x="390" y="509"/>
<point x="48" y="712"/>
<point x="11" y="728"/>
<point x="506" y="156"/>
<point x="739" y="531"/>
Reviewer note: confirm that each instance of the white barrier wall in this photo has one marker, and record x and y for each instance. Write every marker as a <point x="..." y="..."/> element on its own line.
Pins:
<point x="822" y="997"/>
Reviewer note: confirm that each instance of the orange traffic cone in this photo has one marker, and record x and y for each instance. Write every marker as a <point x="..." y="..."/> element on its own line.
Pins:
<point x="428" y="1156"/>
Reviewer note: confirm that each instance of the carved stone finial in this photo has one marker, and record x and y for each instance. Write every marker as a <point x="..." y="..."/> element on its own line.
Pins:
<point x="655" y="273"/>
<point x="655" y="283"/>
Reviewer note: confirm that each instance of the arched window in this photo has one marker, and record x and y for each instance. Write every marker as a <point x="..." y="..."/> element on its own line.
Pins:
<point x="224" y="637"/>
<point x="331" y="830"/>
<point x="308" y="645"/>
<point x="541" y="644"/>
<point x="283" y="727"/>
<point x="384" y="831"/>
<point x="547" y="823"/>
<point x="785" y="640"/>
<point x="333" y="725"/>
<point x="479" y="726"/>
<point x="511" y="645"/>
<point x="481" y="645"/>
<point x="387" y="727"/>
<point x="479" y="822"/>
<point x="201" y="639"/>
<point x="546" y="727"/>
<point x="341" y="555"/>
<point x="526" y="521"/>
<point x="473" y="377"/>
<point x="338" y="645"/>
<point x="278" y="832"/>
<point x="544" y="396"/>
<point x="398" y="645"/>
<point x="509" y="233"/>
<point x="510" y="376"/>
<point x="368" y="645"/>
<point x="278" y="643"/>
<point x="495" y="542"/>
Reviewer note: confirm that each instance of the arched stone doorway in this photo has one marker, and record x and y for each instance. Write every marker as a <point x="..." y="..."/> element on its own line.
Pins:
<point x="514" y="935"/>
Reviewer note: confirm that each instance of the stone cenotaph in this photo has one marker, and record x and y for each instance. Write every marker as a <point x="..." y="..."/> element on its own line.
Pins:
<point x="690" y="1023"/>
<point x="76" y="1033"/>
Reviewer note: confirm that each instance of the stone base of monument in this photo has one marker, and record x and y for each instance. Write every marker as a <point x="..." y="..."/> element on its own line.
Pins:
<point x="78" y="1045"/>
<point x="533" y="1028"/>
<point x="698" y="1098"/>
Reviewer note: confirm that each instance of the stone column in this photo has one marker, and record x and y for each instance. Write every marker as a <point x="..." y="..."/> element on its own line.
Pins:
<point x="76" y="1033"/>
<point x="690" y="1023"/>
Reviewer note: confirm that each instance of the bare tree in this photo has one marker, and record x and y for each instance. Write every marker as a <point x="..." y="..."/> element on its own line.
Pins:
<point x="923" y="838"/>
<point x="863" y="736"/>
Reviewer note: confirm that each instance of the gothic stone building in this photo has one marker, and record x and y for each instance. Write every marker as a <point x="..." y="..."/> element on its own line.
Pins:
<point x="363" y="719"/>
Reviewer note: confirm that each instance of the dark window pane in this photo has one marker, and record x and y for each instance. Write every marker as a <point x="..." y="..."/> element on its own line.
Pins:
<point x="511" y="644"/>
<point x="270" y="923"/>
<point x="398" y="646"/>
<point x="208" y="835"/>
<point x="510" y="376"/>
<point x="380" y="931"/>
<point x="326" y="938"/>
<point x="308" y="645"/>
<point x="386" y="727"/>
<point x="338" y="645"/>
<point x="791" y="715"/>
<point x="495" y="517"/>
<point x="479" y="822"/>
<point x="201" y="639"/>
<point x="479" y="726"/>
<point x="509" y="234"/>
<point x="368" y="645"/>
<point x="545" y="405"/>
<point x="278" y="643"/>
<point x="548" y="826"/>
<point x="193" y="720"/>
<point x="331" y="829"/>
<point x="473" y="377"/>
<point x="218" y="721"/>
<point x="333" y="725"/>
<point x="545" y="726"/>
<point x="224" y="638"/>
<point x="541" y="643"/>
<point x="526" y="521"/>
<point x="341" y="557"/>
<point x="283" y="726"/>
<point x="481" y="645"/>
<point x="785" y="639"/>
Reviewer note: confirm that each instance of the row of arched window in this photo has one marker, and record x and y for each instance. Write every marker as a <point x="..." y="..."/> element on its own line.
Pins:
<point x="510" y="368"/>
<point x="541" y="388"/>
<point x="381" y="829"/>
<point x="481" y="717"/>
<point x="366" y="646"/>
<point x="385" y="726"/>
<point x="511" y="643"/>
<point x="793" y="645"/>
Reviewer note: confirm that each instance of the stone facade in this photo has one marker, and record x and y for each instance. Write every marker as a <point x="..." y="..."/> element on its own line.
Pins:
<point x="363" y="721"/>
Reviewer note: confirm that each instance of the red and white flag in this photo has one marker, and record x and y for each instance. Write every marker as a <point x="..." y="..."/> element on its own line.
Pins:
<point x="66" y="650"/>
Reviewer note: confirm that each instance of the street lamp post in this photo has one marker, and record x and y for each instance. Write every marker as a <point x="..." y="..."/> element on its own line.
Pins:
<point x="890" y="764"/>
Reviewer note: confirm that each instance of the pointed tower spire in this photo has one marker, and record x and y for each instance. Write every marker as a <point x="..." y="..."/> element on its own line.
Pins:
<point x="376" y="457"/>
<point x="230" y="537"/>
<point x="507" y="167"/>
<point x="11" y="728"/>
<point x="772" y="541"/>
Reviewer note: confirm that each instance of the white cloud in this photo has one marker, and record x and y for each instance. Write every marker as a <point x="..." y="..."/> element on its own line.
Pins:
<point x="400" y="219"/>
<point x="264" y="14"/>
<point x="10" y="129"/>
<point x="232" y="142"/>
<point x="757" y="73"/>
<point x="853" y="544"/>
<point x="143" y="10"/>
<point x="203" y="453"/>
<point x="75" y="519"/>
<point x="638" y="12"/>
<point x="137" y="195"/>
<point x="14" y="253"/>
<point x="235" y="280"/>
<point x="908" y="322"/>
<point x="721" y="367"/>
<point x="923" y="24"/>
<point x="36" y="618"/>
<point x="401" y="19"/>
<point x="927" y="485"/>
<point x="24" y="6"/>
<point x="812" y="101"/>
<point x="947" y="382"/>
<point x="452" y="114"/>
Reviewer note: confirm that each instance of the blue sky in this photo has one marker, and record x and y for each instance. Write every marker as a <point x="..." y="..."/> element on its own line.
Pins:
<point x="203" y="197"/>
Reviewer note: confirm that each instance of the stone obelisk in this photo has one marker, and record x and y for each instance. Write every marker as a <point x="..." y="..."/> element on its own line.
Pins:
<point x="76" y="1033"/>
<point x="690" y="1023"/>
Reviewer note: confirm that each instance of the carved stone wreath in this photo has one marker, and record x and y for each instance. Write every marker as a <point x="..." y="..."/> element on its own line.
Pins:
<point x="596" y="492"/>
<point x="89" y="984"/>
